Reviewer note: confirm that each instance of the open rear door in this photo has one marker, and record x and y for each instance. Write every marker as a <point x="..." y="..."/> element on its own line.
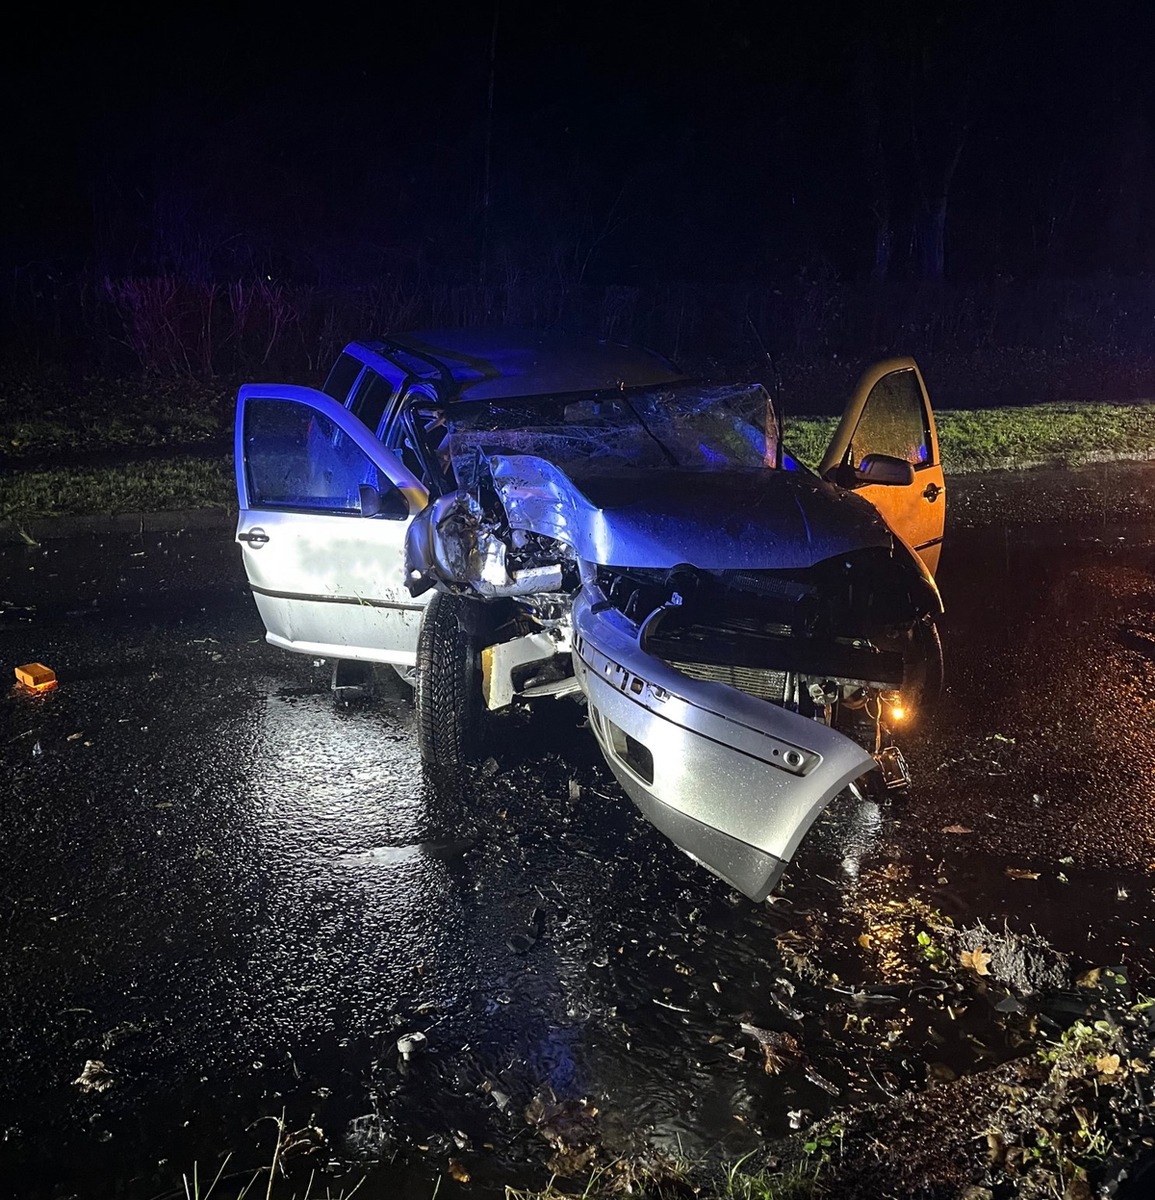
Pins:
<point x="890" y="415"/>
<point x="324" y="509"/>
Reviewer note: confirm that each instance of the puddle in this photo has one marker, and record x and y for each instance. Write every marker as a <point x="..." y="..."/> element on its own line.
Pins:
<point x="392" y="855"/>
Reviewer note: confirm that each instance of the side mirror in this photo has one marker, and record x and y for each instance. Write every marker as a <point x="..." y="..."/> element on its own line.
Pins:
<point x="390" y="504"/>
<point x="885" y="469"/>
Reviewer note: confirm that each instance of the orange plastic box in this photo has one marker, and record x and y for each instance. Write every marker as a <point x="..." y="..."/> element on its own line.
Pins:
<point x="36" y="676"/>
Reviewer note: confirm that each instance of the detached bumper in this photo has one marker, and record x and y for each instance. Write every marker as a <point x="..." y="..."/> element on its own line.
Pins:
<point x="734" y="781"/>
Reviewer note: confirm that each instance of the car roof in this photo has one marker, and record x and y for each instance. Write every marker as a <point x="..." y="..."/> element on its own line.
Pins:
<point x="485" y="363"/>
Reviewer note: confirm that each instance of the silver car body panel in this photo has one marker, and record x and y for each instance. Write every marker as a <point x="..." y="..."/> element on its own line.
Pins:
<point x="752" y="520"/>
<point x="326" y="584"/>
<point x="734" y="781"/>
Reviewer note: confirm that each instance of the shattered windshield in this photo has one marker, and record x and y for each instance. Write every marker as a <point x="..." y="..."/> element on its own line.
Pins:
<point x="706" y="429"/>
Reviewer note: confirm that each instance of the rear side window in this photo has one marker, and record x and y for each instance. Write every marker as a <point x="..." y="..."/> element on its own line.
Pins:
<point x="342" y="377"/>
<point x="298" y="458"/>
<point x="373" y="393"/>
<point x="893" y="421"/>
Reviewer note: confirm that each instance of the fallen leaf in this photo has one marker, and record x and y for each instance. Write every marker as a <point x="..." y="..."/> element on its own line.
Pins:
<point x="1020" y="873"/>
<point x="95" y="1077"/>
<point x="1090" y="979"/>
<point x="1107" y="1064"/>
<point x="976" y="960"/>
<point x="956" y="829"/>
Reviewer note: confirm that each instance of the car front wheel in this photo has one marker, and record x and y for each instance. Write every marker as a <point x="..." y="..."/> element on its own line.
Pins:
<point x="451" y="714"/>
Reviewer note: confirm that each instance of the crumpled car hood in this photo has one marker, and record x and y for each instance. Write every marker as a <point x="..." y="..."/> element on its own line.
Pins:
<point x="714" y="520"/>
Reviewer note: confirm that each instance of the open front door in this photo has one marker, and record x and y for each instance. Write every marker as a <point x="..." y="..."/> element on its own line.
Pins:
<point x="324" y="509"/>
<point x="890" y="415"/>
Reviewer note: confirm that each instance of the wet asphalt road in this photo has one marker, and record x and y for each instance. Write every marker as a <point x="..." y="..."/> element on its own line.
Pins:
<point x="236" y="894"/>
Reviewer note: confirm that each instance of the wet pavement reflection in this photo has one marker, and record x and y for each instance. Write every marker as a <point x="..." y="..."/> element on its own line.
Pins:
<point x="236" y="894"/>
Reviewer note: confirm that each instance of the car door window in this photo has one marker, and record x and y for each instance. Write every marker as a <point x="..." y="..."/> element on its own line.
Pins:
<point x="342" y="377"/>
<point x="297" y="458"/>
<point x="417" y="437"/>
<point x="893" y="421"/>
<point x="371" y="398"/>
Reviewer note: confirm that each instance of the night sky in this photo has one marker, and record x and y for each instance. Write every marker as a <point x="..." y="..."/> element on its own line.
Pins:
<point x="714" y="142"/>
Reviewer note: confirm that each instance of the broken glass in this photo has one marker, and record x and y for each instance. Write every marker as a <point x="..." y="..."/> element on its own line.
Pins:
<point x="707" y="429"/>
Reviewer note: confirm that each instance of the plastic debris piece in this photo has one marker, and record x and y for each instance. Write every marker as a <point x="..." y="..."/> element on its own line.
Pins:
<point x="409" y="1044"/>
<point x="36" y="677"/>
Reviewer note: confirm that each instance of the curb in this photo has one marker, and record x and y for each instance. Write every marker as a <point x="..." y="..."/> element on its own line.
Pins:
<point x="40" y="529"/>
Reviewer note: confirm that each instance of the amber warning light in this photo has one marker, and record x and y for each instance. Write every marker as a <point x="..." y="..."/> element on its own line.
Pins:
<point x="36" y="677"/>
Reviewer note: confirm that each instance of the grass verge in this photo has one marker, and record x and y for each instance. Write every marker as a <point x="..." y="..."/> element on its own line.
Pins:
<point x="150" y="486"/>
<point x="45" y="411"/>
<point x="1061" y="435"/>
<point x="995" y="439"/>
<point x="741" y="1180"/>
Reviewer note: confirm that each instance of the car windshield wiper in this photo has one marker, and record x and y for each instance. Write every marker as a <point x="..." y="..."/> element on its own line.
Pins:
<point x="650" y="433"/>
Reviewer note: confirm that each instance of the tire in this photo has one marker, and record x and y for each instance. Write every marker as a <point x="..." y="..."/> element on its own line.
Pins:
<point x="451" y="714"/>
<point x="924" y="664"/>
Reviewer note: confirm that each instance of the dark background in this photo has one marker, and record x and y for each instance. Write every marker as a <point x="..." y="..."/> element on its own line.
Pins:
<point x="193" y="193"/>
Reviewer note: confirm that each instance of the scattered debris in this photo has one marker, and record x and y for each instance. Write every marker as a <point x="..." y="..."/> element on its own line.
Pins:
<point x="783" y="1051"/>
<point x="1020" y="873"/>
<point x="409" y="1044"/>
<point x="977" y="960"/>
<point x="569" y="1126"/>
<point x="1025" y="962"/>
<point x="95" y="1077"/>
<point x="36" y="677"/>
<point x="522" y="943"/>
<point x="778" y="1049"/>
<point x="499" y="1097"/>
<point x="369" y="1138"/>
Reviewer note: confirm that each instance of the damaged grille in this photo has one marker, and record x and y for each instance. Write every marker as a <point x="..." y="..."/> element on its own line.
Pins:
<point x="762" y="684"/>
<point x="757" y="630"/>
<point x="741" y="645"/>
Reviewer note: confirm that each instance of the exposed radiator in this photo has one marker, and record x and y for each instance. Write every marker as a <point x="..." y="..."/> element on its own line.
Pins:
<point x="765" y="685"/>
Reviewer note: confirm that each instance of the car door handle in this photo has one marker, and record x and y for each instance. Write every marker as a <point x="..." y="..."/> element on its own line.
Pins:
<point x="931" y="492"/>
<point x="255" y="537"/>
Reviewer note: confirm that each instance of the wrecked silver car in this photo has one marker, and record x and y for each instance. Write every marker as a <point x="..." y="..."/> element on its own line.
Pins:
<point x="514" y="518"/>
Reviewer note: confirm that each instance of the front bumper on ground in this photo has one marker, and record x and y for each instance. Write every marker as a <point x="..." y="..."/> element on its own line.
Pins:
<point x="734" y="781"/>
